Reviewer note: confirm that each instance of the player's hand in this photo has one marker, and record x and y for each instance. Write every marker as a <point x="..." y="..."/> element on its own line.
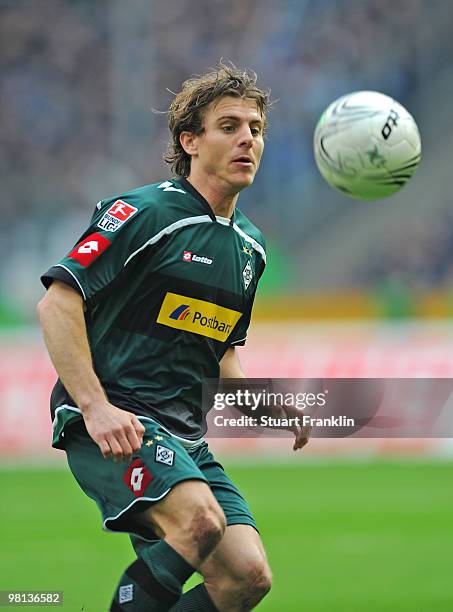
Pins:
<point x="301" y="432"/>
<point x="118" y="433"/>
<point x="302" y="435"/>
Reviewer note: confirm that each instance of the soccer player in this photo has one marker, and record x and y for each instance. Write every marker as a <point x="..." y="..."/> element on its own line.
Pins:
<point x="153" y="298"/>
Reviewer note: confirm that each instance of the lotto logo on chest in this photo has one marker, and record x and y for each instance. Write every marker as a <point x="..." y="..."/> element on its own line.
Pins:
<point x="189" y="257"/>
<point x="116" y="216"/>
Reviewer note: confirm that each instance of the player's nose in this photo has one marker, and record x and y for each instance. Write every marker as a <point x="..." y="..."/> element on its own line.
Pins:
<point x="245" y="136"/>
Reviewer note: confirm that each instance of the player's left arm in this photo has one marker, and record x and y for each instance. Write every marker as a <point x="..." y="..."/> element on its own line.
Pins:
<point x="230" y="367"/>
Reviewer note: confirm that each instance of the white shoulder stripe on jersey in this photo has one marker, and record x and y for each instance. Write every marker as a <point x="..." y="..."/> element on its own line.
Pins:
<point x="74" y="277"/>
<point x="169" y="229"/>
<point x="223" y="220"/>
<point x="251" y="240"/>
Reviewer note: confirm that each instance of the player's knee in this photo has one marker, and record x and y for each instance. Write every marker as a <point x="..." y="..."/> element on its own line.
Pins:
<point x="256" y="582"/>
<point x="246" y="584"/>
<point x="264" y="582"/>
<point x="206" y="528"/>
<point x="191" y="519"/>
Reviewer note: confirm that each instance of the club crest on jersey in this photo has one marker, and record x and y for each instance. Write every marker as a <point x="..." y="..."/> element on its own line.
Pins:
<point x="188" y="256"/>
<point x="247" y="274"/>
<point x="117" y="214"/>
<point x="89" y="249"/>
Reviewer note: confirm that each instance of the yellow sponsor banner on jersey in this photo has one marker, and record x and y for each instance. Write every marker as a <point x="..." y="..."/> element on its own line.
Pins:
<point x="198" y="316"/>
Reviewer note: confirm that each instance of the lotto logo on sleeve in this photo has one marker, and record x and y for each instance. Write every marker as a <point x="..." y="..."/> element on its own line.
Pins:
<point x="89" y="249"/>
<point x="116" y="215"/>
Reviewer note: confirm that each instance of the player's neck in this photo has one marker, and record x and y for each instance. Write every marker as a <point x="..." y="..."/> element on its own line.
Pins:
<point x="222" y="203"/>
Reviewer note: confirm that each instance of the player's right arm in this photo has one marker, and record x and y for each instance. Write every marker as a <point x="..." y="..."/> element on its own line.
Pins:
<point x="117" y="432"/>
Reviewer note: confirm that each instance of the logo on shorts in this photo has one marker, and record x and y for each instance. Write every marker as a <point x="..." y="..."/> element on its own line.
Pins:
<point x="137" y="478"/>
<point x="165" y="455"/>
<point x="116" y="215"/>
<point x="126" y="593"/>
<point x="89" y="249"/>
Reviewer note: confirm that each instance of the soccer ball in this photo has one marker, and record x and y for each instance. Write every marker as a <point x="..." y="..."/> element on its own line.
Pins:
<point x="367" y="145"/>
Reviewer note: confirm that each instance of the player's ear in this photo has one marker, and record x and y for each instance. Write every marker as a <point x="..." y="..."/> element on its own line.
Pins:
<point x="189" y="142"/>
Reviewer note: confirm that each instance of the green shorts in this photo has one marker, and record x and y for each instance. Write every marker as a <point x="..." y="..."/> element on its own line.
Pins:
<point x="122" y="490"/>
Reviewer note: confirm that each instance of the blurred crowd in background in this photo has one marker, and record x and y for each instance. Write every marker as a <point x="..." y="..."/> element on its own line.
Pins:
<point x="80" y="81"/>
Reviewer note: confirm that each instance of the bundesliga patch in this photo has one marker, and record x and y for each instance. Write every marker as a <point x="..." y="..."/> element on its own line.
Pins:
<point x="116" y="215"/>
<point x="126" y="593"/>
<point x="89" y="249"/>
<point x="137" y="478"/>
<point x="164" y="455"/>
<point x="247" y="274"/>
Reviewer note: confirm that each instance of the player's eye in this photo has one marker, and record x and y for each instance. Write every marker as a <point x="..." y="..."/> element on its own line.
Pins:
<point x="255" y="131"/>
<point x="228" y="128"/>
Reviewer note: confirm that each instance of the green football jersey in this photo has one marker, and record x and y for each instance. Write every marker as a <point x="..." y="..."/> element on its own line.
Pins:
<point x="168" y="287"/>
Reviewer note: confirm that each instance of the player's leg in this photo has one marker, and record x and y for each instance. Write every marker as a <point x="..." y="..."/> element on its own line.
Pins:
<point x="237" y="575"/>
<point x="189" y="519"/>
<point x="160" y="494"/>
<point x="191" y="525"/>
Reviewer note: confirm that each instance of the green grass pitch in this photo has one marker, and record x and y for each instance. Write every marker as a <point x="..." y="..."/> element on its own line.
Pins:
<point x="365" y="537"/>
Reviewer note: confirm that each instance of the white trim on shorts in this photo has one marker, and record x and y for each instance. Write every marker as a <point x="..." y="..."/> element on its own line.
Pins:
<point x="139" y="499"/>
<point x="187" y="444"/>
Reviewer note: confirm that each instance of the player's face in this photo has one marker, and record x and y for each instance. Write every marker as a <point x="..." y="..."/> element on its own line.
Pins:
<point x="230" y="148"/>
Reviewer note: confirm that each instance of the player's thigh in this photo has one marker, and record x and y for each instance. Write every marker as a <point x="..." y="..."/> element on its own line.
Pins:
<point x="188" y="505"/>
<point x="239" y="558"/>
<point x="124" y="491"/>
<point x="227" y="494"/>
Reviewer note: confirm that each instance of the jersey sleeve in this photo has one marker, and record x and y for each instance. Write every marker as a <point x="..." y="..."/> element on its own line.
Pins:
<point x="118" y="230"/>
<point x="239" y="335"/>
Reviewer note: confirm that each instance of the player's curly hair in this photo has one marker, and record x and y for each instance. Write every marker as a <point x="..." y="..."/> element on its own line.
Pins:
<point x="186" y="111"/>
